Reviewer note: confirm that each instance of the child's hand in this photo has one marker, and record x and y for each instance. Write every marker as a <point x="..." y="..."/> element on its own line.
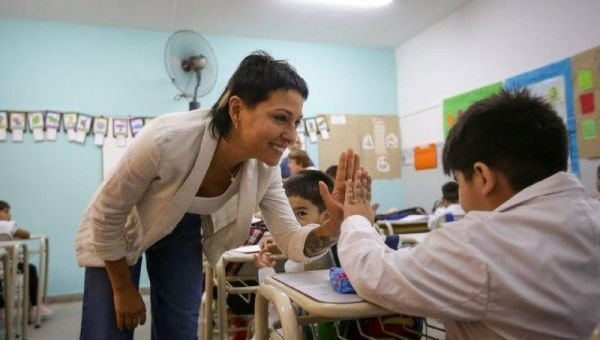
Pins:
<point x="268" y="244"/>
<point x="263" y="259"/>
<point x="358" y="196"/>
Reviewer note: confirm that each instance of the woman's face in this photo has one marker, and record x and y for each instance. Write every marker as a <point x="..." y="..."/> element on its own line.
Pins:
<point x="266" y="130"/>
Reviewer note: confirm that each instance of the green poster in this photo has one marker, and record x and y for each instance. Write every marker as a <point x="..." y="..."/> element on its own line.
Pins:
<point x="455" y="106"/>
<point x="588" y="126"/>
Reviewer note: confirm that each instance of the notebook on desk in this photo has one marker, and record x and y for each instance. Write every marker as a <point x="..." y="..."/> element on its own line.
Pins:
<point x="315" y="284"/>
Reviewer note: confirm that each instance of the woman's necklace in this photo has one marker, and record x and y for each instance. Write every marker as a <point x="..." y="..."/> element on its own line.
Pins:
<point x="231" y="174"/>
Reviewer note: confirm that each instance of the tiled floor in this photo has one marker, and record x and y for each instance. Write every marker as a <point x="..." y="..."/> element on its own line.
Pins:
<point x="64" y="324"/>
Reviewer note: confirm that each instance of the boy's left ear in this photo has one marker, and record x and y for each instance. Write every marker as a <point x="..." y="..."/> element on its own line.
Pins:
<point x="486" y="177"/>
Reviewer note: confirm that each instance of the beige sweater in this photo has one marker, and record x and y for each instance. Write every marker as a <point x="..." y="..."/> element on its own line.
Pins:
<point x="150" y="189"/>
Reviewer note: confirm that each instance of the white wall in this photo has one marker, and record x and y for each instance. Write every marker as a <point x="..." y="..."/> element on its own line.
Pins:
<point x="484" y="42"/>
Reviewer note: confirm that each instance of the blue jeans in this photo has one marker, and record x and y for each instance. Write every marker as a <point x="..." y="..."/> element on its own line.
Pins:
<point x="174" y="267"/>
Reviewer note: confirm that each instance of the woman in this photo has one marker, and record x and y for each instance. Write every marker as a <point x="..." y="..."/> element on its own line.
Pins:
<point x="193" y="171"/>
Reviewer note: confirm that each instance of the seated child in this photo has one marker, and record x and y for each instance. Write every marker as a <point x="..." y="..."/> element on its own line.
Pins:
<point x="449" y="209"/>
<point x="9" y="227"/>
<point x="305" y="199"/>
<point x="524" y="262"/>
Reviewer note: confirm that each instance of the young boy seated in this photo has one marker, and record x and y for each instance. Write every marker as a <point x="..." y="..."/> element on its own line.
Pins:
<point x="449" y="209"/>
<point x="9" y="227"/>
<point x="305" y="199"/>
<point x="524" y="263"/>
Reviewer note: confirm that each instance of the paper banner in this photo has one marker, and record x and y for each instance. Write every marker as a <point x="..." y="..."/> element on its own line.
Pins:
<point x="100" y="130"/>
<point x="586" y="74"/>
<point x="425" y="157"/>
<point x="455" y="106"/>
<point x="52" y="124"/>
<point x="3" y="125"/>
<point x="550" y="77"/>
<point x="17" y="123"/>
<point x="70" y="125"/>
<point x="136" y="125"/>
<point x="119" y="128"/>
<point x="84" y="126"/>
<point x="323" y="127"/>
<point x="36" y="125"/>
<point x="311" y="129"/>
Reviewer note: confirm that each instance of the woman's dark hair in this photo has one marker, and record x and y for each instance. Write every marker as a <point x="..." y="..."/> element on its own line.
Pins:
<point x="257" y="76"/>
<point x="513" y="132"/>
<point x="4" y="205"/>
<point x="305" y="185"/>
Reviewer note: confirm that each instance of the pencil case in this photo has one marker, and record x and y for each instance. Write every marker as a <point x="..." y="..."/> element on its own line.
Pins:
<point x="340" y="282"/>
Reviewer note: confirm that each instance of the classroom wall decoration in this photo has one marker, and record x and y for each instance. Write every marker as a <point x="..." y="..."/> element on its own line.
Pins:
<point x="376" y="139"/>
<point x="425" y="156"/>
<point x="586" y="92"/>
<point x="554" y="82"/>
<point x="455" y="106"/>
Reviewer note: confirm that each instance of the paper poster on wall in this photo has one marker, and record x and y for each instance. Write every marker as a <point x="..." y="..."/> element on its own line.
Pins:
<point x="548" y="81"/>
<point x="586" y="94"/>
<point x="374" y="138"/>
<point x="70" y="125"/>
<point x="323" y="127"/>
<point x="36" y="125"/>
<point x="17" y="123"/>
<point x="455" y="106"/>
<point x="425" y="157"/>
<point x="52" y="124"/>
<point x="311" y="129"/>
<point x="115" y="144"/>
<point x="136" y="125"/>
<point x="100" y="130"/>
<point x="3" y="125"/>
<point x="84" y="126"/>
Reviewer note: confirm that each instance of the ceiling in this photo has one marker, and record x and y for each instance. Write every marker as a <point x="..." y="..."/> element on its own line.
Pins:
<point x="387" y="26"/>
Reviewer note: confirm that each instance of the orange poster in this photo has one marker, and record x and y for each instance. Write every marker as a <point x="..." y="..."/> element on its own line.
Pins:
<point x="426" y="157"/>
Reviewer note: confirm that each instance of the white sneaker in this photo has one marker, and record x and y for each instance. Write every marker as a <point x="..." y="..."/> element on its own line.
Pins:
<point x="44" y="311"/>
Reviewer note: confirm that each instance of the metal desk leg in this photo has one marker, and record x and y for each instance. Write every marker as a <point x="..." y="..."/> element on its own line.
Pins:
<point x="222" y="300"/>
<point x="207" y="320"/>
<point x="286" y="312"/>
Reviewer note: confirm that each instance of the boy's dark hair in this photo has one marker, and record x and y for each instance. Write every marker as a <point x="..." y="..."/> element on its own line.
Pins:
<point x="305" y="185"/>
<point x="450" y="191"/>
<point x="332" y="171"/>
<point x="257" y="76"/>
<point x="4" y="205"/>
<point x="512" y="132"/>
<point x="300" y="157"/>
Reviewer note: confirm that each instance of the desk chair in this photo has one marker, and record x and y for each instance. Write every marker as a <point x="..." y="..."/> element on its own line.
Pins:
<point x="16" y="297"/>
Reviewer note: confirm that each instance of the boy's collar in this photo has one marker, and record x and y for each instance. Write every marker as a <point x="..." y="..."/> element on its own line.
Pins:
<point x="560" y="181"/>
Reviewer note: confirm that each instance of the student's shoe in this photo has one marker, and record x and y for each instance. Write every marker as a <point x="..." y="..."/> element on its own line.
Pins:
<point x="44" y="311"/>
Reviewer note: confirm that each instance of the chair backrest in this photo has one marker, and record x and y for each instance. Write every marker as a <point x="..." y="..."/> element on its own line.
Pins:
<point x="5" y="237"/>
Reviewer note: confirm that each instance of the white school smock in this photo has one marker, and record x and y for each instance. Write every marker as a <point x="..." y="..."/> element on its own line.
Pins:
<point x="530" y="269"/>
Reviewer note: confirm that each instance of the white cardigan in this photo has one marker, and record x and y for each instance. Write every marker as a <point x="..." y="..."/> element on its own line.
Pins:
<point x="150" y="189"/>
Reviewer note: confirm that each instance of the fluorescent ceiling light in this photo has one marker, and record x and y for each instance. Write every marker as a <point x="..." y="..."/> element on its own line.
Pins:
<point x="355" y="3"/>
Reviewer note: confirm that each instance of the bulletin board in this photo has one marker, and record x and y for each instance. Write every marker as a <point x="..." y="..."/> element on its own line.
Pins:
<point x="554" y="82"/>
<point x="586" y="92"/>
<point x="455" y="106"/>
<point x="376" y="139"/>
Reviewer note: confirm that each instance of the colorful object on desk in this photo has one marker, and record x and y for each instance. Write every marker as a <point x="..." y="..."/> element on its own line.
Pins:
<point x="340" y="281"/>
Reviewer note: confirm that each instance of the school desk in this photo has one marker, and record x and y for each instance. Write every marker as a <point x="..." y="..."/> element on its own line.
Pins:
<point x="244" y="254"/>
<point x="312" y="292"/>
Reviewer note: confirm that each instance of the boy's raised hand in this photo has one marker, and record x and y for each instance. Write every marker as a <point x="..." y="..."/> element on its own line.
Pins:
<point x="348" y="165"/>
<point x="357" y="200"/>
